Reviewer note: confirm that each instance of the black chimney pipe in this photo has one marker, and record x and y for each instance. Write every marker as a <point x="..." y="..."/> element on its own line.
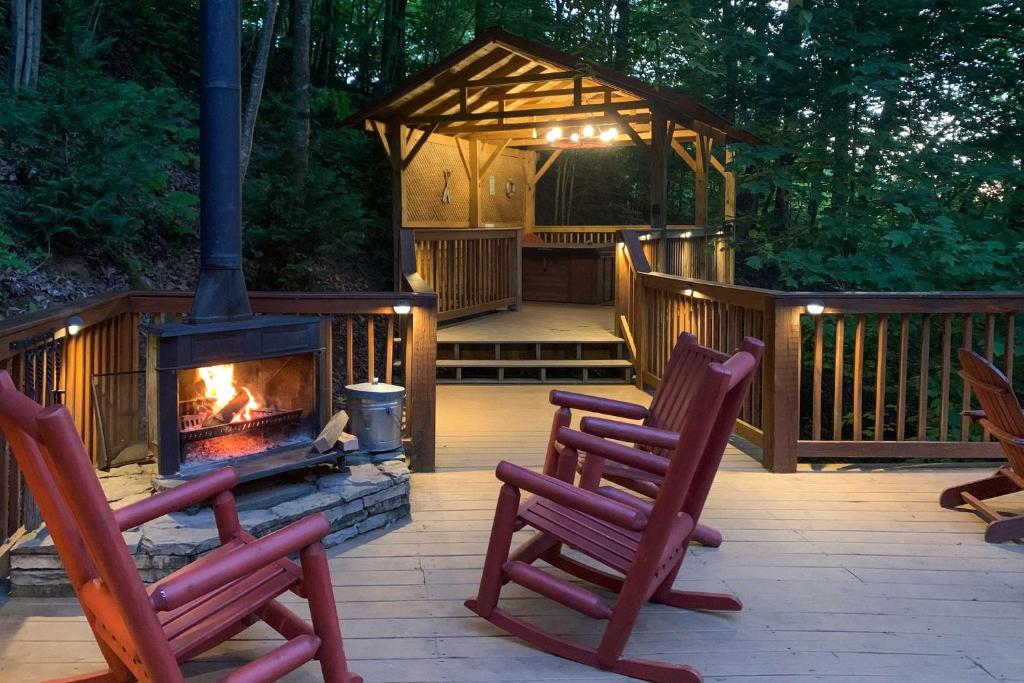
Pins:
<point x="220" y="293"/>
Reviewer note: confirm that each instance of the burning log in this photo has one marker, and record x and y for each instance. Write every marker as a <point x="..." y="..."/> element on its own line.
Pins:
<point x="229" y="411"/>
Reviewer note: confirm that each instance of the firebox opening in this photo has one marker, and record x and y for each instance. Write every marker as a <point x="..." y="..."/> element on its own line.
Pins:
<point x="236" y="410"/>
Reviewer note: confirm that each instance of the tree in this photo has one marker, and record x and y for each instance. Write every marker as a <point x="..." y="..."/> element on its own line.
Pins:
<point x="392" y="57"/>
<point x="259" y="75"/>
<point x="300" y="87"/>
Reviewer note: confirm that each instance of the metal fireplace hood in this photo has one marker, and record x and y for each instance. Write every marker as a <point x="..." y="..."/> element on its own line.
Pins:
<point x="220" y="293"/>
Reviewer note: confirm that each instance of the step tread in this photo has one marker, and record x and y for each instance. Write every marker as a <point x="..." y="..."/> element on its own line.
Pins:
<point x="520" y="342"/>
<point x="532" y="363"/>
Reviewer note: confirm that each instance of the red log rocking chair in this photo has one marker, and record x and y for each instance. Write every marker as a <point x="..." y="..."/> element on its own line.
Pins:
<point x="641" y="543"/>
<point x="143" y="633"/>
<point x="663" y="420"/>
<point x="1001" y="415"/>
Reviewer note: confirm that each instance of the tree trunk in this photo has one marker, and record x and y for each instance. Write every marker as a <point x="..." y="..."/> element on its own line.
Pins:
<point x="16" y="59"/>
<point x="26" y="40"/>
<point x="392" y="44"/>
<point x="327" y="45"/>
<point x="300" y="88"/>
<point x="259" y="74"/>
<point x="621" y="62"/>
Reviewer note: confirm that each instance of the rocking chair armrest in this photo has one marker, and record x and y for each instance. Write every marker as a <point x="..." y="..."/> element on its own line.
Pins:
<point x="974" y="415"/>
<point x="178" y="498"/>
<point x="602" y="448"/>
<point x="596" y="404"/>
<point x="571" y="496"/>
<point x="620" y="431"/>
<point x="1001" y="434"/>
<point x="199" y="579"/>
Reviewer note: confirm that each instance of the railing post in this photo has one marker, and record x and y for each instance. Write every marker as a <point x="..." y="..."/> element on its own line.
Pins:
<point x="517" y="270"/>
<point x="420" y="363"/>
<point x="781" y="385"/>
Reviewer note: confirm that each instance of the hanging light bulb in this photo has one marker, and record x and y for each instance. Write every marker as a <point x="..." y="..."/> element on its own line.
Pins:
<point x="535" y="133"/>
<point x="575" y="137"/>
<point x="554" y="134"/>
<point x="588" y="131"/>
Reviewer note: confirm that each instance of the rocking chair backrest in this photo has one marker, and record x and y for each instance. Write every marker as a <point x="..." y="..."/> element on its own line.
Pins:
<point x="60" y="475"/>
<point x="678" y="387"/>
<point x="711" y="382"/>
<point x="1003" y="416"/>
<point x="742" y="366"/>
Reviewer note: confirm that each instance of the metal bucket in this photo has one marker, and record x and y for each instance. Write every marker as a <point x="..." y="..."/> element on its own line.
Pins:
<point x="375" y="415"/>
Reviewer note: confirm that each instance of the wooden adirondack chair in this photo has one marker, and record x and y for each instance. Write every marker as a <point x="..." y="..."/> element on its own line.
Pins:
<point x="664" y="419"/>
<point x="1001" y="415"/>
<point x="143" y="633"/>
<point x="641" y="543"/>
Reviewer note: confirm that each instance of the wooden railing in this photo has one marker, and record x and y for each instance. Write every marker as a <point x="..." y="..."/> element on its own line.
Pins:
<point x="577" y="234"/>
<point x="872" y="376"/>
<point x="369" y="337"/>
<point x="699" y="253"/>
<point x="472" y="271"/>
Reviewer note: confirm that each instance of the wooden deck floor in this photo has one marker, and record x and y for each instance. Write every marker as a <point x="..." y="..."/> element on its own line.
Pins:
<point x="536" y="323"/>
<point x="845" y="576"/>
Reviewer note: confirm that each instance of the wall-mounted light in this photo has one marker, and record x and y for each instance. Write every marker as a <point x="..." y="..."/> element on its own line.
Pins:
<point x="402" y="308"/>
<point x="687" y="292"/>
<point x="815" y="308"/>
<point x="74" y="325"/>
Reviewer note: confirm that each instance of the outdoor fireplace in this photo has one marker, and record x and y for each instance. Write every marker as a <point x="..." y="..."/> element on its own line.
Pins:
<point x="252" y="394"/>
<point x="225" y="386"/>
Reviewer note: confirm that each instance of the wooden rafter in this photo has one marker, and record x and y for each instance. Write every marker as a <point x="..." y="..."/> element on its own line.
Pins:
<point x="526" y="127"/>
<point x="382" y="134"/>
<point x="462" y="155"/>
<point x="444" y="83"/>
<point x="517" y="80"/>
<point x="536" y="94"/>
<point x="525" y="113"/>
<point x="447" y="99"/>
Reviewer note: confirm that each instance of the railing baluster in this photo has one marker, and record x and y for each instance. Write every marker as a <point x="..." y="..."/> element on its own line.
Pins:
<point x="883" y="344"/>
<point x="389" y="349"/>
<point x="858" y="378"/>
<point x="1009" y="347"/>
<point x="819" y="326"/>
<point x="901" y="400"/>
<point x="965" y="422"/>
<point x="922" y="395"/>
<point x="947" y="336"/>
<point x="837" y="385"/>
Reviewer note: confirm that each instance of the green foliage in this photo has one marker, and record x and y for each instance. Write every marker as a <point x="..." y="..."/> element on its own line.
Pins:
<point x="92" y="157"/>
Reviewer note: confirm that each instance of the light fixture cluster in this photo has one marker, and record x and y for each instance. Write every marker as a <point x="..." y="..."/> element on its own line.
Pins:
<point x="586" y="135"/>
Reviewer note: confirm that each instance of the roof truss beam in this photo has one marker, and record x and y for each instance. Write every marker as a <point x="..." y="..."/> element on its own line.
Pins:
<point x="616" y="107"/>
<point x="520" y="80"/>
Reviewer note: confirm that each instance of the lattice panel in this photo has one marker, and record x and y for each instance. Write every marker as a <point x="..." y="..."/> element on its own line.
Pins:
<point x="499" y="208"/>
<point x="424" y="186"/>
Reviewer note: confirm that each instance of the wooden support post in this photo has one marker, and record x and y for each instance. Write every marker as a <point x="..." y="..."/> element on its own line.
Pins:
<point x="395" y="138"/>
<point x="474" y="183"/>
<point x="780" y="389"/>
<point x="420" y="367"/>
<point x="530" y="195"/>
<point x="700" y="181"/>
<point x="729" y="177"/>
<point x="659" y="180"/>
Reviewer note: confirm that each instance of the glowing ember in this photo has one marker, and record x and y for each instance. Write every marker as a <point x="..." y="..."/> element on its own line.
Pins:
<point x="220" y="388"/>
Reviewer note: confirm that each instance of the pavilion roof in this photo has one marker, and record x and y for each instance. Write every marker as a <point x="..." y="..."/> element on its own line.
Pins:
<point x="506" y="87"/>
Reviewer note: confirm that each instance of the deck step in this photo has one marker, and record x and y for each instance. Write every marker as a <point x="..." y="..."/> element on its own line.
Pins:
<point x="518" y="363"/>
<point x="533" y="371"/>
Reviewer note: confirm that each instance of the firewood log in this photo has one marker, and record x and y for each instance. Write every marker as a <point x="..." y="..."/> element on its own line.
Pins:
<point x="331" y="432"/>
<point x="228" y="412"/>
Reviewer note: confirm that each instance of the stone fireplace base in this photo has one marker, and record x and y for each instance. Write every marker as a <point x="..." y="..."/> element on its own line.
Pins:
<point x="367" y="494"/>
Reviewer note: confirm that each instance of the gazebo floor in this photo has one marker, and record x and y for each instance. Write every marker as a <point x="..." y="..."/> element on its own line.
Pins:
<point x="845" y="576"/>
